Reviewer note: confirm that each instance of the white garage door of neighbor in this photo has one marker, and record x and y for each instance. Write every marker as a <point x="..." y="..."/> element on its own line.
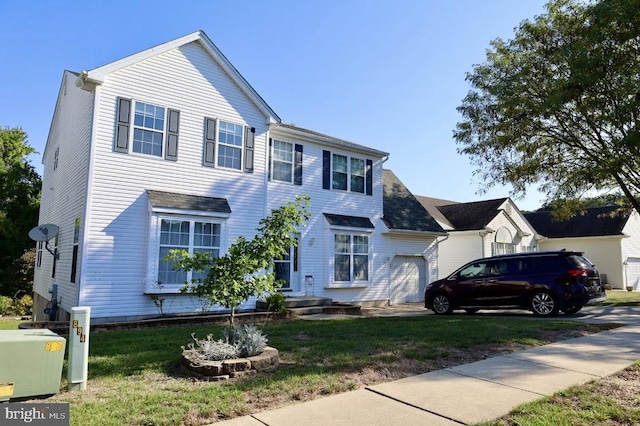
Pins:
<point x="408" y="279"/>
<point x="632" y="272"/>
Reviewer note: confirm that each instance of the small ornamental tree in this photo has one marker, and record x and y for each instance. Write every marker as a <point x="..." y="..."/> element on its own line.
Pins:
<point x="246" y="269"/>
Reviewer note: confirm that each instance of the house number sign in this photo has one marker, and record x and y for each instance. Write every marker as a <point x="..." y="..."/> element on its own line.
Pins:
<point x="79" y="331"/>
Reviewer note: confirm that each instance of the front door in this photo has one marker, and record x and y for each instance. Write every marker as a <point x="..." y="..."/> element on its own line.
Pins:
<point x="286" y="269"/>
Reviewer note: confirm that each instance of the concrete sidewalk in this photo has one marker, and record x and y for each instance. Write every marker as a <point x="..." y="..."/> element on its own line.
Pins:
<point x="475" y="392"/>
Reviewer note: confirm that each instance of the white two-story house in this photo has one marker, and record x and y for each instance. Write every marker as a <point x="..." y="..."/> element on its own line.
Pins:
<point x="172" y="148"/>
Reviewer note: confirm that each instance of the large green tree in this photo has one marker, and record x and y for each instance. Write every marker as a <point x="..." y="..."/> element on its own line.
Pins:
<point x="558" y="106"/>
<point x="19" y="204"/>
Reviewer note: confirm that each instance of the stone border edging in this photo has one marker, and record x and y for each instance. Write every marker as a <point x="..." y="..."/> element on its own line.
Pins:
<point x="205" y="370"/>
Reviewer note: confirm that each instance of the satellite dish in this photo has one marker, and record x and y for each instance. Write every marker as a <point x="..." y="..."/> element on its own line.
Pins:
<point x="43" y="232"/>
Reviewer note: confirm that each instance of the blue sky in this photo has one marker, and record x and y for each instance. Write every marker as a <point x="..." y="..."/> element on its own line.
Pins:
<point x="383" y="73"/>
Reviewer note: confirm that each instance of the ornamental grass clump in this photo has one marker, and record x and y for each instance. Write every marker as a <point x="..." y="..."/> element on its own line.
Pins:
<point x="249" y="340"/>
<point x="208" y="349"/>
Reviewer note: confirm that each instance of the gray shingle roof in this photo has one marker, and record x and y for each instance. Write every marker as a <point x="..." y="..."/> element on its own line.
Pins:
<point x="402" y="211"/>
<point x="349" y="221"/>
<point x="598" y="221"/>
<point x="432" y="204"/>
<point x="470" y="216"/>
<point x="187" y="202"/>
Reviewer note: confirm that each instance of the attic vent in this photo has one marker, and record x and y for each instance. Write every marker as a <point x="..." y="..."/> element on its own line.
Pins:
<point x="508" y="209"/>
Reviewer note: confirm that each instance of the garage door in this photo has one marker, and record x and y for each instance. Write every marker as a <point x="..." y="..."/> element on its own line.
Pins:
<point x="632" y="271"/>
<point x="408" y="279"/>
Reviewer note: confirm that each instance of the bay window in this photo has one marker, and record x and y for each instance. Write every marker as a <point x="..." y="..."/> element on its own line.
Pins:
<point x="189" y="235"/>
<point x="351" y="257"/>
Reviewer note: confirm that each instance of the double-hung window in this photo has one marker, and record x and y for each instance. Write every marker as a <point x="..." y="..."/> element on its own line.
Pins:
<point x="229" y="145"/>
<point x="340" y="172"/>
<point x="345" y="173"/>
<point x="282" y="161"/>
<point x="348" y="173"/>
<point x="357" y="175"/>
<point x="148" y="129"/>
<point x="351" y="257"/>
<point x="192" y="223"/>
<point x="191" y="235"/>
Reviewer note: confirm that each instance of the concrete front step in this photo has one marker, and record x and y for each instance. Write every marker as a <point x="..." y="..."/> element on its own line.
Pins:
<point x="305" y="302"/>
<point x="297" y="302"/>
<point x="313" y="305"/>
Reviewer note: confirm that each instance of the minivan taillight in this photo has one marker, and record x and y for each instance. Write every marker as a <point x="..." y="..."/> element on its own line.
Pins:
<point x="577" y="272"/>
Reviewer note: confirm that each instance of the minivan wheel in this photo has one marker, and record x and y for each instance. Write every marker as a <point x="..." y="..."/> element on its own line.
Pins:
<point x="543" y="304"/>
<point x="441" y="304"/>
<point x="573" y="310"/>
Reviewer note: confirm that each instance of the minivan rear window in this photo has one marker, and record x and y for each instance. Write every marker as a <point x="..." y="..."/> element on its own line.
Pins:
<point x="580" y="261"/>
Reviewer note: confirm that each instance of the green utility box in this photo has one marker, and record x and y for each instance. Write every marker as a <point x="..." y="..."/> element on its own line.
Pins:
<point x="30" y="363"/>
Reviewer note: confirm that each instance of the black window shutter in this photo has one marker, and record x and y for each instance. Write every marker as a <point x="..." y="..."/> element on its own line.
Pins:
<point x="326" y="169"/>
<point x="209" y="158"/>
<point x="269" y="165"/>
<point x="297" y="165"/>
<point x="173" y="125"/>
<point x="369" y="178"/>
<point x="122" y="125"/>
<point x="74" y="264"/>
<point x="249" y="139"/>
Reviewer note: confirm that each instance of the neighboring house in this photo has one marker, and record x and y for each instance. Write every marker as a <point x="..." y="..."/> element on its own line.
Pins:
<point x="478" y="229"/>
<point x="171" y="148"/>
<point x="609" y="237"/>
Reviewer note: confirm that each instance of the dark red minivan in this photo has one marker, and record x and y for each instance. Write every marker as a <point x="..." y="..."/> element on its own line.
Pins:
<point x="544" y="282"/>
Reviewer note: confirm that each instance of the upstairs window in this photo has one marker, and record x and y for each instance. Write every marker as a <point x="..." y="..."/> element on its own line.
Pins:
<point x="344" y="173"/>
<point x="357" y="175"/>
<point x="229" y="145"/>
<point x="282" y="161"/>
<point x="56" y="156"/>
<point x="148" y="130"/>
<point x="340" y="172"/>
<point x="285" y="162"/>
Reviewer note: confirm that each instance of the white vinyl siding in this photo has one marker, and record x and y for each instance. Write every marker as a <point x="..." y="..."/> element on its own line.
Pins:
<point x="64" y="190"/>
<point x="188" y="80"/>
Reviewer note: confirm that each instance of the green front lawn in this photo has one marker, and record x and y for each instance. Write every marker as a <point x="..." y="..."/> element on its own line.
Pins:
<point x="134" y="377"/>
<point x="622" y="298"/>
<point x="9" y="323"/>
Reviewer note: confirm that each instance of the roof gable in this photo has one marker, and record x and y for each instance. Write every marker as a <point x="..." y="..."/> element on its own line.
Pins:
<point x="431" y="204"/>
<point x="598" y="221"/>
<point x="471" y="216"/>
<point x="402" y="211"/>
<point x="96" y="76"/>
